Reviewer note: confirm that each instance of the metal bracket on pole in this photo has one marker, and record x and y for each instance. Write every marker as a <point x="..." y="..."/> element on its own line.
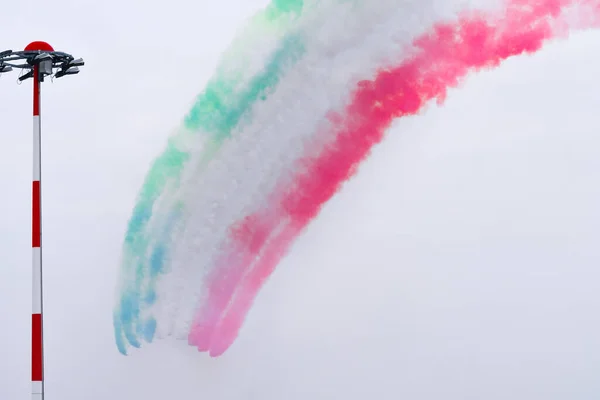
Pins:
<point x="49" y="62"/>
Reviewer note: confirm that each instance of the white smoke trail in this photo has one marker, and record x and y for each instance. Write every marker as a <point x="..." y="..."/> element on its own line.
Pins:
<point x="344" y="43"/>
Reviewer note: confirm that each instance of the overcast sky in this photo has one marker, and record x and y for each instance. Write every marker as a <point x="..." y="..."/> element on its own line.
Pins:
<point x="461" y="263"/>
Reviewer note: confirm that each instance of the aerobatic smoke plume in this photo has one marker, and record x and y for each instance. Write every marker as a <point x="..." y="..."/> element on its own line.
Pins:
<point x="265" y="151"/>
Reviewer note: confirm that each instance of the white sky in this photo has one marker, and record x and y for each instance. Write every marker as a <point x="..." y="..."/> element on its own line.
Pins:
<point x="461" y="262"/>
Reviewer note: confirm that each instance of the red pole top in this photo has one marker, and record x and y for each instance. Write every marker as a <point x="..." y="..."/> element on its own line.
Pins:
<point x="38" y="45"/>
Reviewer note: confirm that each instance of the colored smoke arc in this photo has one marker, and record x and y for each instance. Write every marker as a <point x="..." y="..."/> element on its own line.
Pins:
<point x="277" y="145"/>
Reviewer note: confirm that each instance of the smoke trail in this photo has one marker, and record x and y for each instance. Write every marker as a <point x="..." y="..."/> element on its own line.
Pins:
<point x="345" y="46"/>
<point x="175" y="185"/>
<point x="443" y="57"/>
<point x="217" y="110"/>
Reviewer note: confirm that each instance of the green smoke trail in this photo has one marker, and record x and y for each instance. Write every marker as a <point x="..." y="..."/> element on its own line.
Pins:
<point x="216" y="111"/>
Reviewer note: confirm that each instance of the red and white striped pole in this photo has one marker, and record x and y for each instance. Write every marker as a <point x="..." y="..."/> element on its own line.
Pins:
<point x="37" y="337"/>
<point x="42" y="60"/>
<point x="37" y="348"/>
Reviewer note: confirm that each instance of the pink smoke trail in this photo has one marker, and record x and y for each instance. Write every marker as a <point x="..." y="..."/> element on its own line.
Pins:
<point x="444" y="57"/>
<point x="248" y="238"/>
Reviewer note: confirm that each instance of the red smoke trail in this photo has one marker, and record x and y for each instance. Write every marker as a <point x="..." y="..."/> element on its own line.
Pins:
<point x="444" y="57"/>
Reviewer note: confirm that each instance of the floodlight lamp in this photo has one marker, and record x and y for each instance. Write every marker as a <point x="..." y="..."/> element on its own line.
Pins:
<point x="69" y="71"/>
<point x="26" y="76"/>
<point x="43" y="57"/>
<point x="77" y="63"/>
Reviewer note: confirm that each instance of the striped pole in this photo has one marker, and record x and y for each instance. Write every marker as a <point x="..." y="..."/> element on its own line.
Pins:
<point x="42" y="61"/>
<point x="37" y="350"/>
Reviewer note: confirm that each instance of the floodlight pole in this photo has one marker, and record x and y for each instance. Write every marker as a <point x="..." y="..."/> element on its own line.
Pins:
<point x="37" y="325"/>
<point x="41" y="60"/>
